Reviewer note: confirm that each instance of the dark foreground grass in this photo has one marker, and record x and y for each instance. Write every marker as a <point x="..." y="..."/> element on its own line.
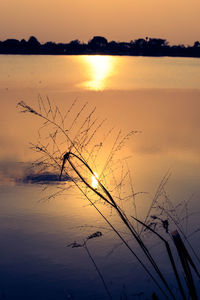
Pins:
<point x="72" y="148"/>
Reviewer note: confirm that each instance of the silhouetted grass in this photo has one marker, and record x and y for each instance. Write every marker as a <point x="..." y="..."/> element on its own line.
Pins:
<point x="70" y="146"/>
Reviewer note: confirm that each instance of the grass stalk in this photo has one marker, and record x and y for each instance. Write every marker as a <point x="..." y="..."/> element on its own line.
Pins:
<point x="98" y="271"/>
<point x="121" y="214"/>
<point x="185" y="260"/>
<point x="169" y="252"/>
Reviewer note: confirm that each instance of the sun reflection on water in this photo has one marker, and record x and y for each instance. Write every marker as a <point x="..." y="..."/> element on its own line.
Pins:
<point x="98" y="68"/>
<point x="94" y="180"/>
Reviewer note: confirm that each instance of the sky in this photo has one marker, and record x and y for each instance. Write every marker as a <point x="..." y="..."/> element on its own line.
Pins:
<point x="119" y="20"/>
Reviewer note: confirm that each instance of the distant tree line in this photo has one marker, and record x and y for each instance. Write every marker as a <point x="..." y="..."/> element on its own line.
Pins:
<point x="100" y="45"/>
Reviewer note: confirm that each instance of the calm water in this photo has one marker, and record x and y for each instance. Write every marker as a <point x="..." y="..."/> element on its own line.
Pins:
<point x="160" y="98"/>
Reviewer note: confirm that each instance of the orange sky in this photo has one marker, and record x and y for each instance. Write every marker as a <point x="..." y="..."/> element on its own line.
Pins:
<point x="120" y="20"/>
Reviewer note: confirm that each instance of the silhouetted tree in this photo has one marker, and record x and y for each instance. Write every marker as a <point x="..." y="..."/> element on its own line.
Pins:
<point x="140" y="43"/>
<point x="10" y="46"/>
<point x="33" y="41"/>
<point x="100" y="45"/>
<point x="75" y="47"/>
<point x="33" y="44"/>
<point x="50" y="48"/>
<point x="23" y="42"/>
<point x="156" y="46"/>
<point x="138" y="47"/>
<point x="196" y="44"/>
<point x="97" y="43"/>
<point x="75" y="43"/>
<point x="113" y="47"/>
<point x="157" y="43"/>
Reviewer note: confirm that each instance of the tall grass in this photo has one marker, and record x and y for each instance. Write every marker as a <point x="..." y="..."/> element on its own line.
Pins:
<point x="72" y="146"/>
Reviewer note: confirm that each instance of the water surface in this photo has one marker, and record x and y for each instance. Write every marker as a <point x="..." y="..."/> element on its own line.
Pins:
<point x="158" y="97"/>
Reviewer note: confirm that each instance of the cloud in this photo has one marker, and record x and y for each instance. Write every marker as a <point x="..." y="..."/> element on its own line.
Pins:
<point x="43" y="178"/>
<point x="12" y="173"/>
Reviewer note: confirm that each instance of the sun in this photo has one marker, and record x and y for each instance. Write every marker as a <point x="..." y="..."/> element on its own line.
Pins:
<point x="95" y="181"/>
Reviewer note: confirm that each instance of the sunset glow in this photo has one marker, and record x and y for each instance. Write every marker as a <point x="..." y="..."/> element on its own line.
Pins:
<point x="99" y="119"/>
<point x="59" y="21"/>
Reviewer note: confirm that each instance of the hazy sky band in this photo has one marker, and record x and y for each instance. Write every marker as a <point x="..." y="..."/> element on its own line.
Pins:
<point x="121" y="20"/>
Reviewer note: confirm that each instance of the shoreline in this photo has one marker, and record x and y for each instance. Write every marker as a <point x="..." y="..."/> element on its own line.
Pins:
<point x="98" y="54"/>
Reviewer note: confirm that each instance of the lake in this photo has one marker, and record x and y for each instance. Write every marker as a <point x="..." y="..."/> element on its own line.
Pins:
<point x="156" y="98"/>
